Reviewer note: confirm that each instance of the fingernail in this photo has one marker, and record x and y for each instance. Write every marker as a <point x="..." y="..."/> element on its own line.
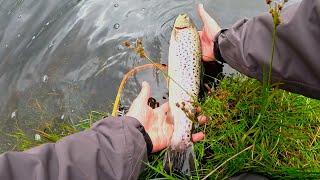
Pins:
<point x="201" y="5"/>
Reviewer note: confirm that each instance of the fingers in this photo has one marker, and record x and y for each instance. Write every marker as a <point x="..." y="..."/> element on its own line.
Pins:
<point x="200" y="10"/>
<point x="200" y="33"/>
<point x="145" y="92"/>
<point x="204" y="16"/>
<point x="165" y="107"/>
<point x="210" y="25"/>
<point x="170" y="129"/>
<point x="198" y="136"/>
<point x="202" y="119"/>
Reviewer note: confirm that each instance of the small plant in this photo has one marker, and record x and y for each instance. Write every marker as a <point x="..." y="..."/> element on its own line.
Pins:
<point x="275" y="9"/>
<point x="139" y="49"/>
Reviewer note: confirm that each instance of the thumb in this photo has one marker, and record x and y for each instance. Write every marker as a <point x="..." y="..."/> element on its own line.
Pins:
<point x="145" y="92"/>
<point x="207" y="20"/>
<point x="165" y="107"/>
<point x="204" y="16"/>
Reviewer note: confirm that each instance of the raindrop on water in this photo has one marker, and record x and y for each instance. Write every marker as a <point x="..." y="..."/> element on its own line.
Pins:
<point x="45" y="78"/>
<point x="62" y="117"/>
<point x="19" y="35"/>
<point x="13" y="114"/>
<point x="19" y="16"/>
<point x="116" y="5"/>
<point x="6" y="45"/>
<point x="120" y="48"/>
<point x="33" y="37"/>
<point x="51" y="45"/>
<point x="37" y="137"/>
<point x="47" y="23"/>
<point x="143" y="9"/>
<point x="116" y="26"/>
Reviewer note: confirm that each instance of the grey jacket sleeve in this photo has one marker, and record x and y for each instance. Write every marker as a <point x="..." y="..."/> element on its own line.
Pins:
<point x="247" y="47"/>
<point x="114" y="148"/>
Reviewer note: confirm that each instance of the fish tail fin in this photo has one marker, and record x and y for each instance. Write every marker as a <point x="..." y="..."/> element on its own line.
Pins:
<point x="181" y="161"/>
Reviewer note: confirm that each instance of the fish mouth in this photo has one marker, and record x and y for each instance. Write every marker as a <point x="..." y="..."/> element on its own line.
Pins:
<point x="179" y="28"/>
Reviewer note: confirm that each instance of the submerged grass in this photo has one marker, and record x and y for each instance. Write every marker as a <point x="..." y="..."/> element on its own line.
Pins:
<point x="280" y="139"/>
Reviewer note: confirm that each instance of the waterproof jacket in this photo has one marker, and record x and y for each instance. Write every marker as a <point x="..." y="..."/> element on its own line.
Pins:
<point x="116" y="148"/>
<point x="296" y="66"/>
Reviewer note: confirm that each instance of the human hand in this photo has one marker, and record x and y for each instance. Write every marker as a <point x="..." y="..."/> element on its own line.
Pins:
<point x="207" y="34"/>
<point x="156" y="122"/>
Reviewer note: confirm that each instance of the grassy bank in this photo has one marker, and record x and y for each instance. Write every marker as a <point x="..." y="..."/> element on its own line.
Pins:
<point x="277" y="136"/>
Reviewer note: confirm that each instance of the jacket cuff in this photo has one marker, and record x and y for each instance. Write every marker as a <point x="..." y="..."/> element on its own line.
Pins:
<point x="216" y="48"/>
<point x="146" y="136"/>
<point x="147" y="139"/>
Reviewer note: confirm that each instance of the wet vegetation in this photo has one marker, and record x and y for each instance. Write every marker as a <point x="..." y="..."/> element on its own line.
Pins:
<point x="254" y="127"/>
<point x="279" y="138"/>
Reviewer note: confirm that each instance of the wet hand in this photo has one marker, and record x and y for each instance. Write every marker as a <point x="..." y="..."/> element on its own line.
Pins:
<point x="157" y="122"/>
<point x="207" y="34"/>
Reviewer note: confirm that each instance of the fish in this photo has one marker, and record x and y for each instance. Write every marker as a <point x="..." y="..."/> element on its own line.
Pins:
<point x="184" y="71"/>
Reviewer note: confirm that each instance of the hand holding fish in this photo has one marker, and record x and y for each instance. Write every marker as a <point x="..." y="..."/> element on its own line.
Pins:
<point x="156" y="122"/>
<point x="207" y="34"/>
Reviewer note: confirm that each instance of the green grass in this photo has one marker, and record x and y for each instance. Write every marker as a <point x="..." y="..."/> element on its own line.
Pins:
<point x="277" y="136"/>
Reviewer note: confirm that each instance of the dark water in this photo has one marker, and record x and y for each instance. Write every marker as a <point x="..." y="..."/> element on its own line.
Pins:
<point x="59" y="59"/>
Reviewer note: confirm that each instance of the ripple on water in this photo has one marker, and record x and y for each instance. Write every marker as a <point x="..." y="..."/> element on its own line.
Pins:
<point x="51" y="44"/>
<point x="116" y="26"/>
<point x="13" y="114"/>
<point x="45" y="79"/>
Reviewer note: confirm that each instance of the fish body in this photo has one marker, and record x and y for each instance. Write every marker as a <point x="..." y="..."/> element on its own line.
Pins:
<point x="184" y="83"/>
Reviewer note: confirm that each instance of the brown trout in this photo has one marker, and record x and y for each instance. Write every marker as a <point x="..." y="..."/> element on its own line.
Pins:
<point x="184" y="83"/>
